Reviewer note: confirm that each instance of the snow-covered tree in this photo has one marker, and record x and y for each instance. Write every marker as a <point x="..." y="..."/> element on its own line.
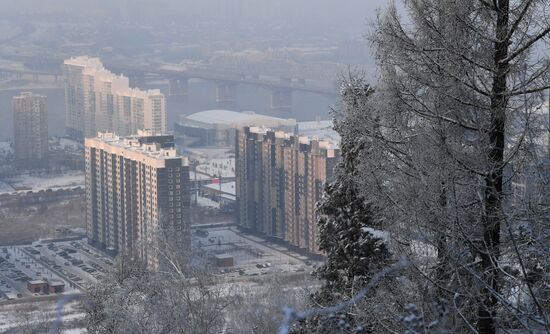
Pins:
<point x="450" y="127"/>
<point x="348" y="235"/>
<point x="136" y="300"/>
<point x="451" y="153"/>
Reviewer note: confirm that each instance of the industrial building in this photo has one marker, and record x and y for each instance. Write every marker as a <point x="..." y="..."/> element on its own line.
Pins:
<point x="217" y="127"/>
<point x="279" y="179"/>
<point x="137" y="188"/>
<point x="30" y="127"/>
<point x="98" y="100"/>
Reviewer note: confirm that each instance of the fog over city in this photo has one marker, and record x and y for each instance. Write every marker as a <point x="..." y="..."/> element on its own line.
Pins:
<point x="275" y="166"/>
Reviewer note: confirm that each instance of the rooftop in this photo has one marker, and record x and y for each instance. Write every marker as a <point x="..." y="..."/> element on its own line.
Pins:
<point x="56" y="283"/>
<point x="325" y="142"/>
<point x="132" y="144"/>
<point x="319" y="129"/>
<point x="228" y="118"/>
<point x="24" y="95"/>
<point x="92" y="66"/>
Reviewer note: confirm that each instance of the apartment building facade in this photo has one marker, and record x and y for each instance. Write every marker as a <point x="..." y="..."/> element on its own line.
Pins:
<point x="136" y="195"/>
<point x="100" y="101"/>
<point x="30" y="128"/>
<point x="279" y="179"/>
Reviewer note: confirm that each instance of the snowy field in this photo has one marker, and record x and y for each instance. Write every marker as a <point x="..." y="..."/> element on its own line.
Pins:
<point x="39" y="317"/>
<point x="43" y="182"/>
<point x="203" y="154"/>
<point x="319" y="129"/>
<point x="205" y="202"/>
<point x="215" y="167"/>
<point x="65" y="144"/>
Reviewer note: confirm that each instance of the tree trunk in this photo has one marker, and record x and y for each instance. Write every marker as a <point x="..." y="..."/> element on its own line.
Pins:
<point x="493" y="180"/>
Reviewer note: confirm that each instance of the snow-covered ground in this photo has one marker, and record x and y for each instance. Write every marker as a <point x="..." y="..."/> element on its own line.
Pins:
<point x="43" y="182"/>
<point x="225" y="187"/>
<point x="319" y="129"/>
<point x="205" y="153"/>
<point x="65" y="144"/>
<point x="32" y="314"/>
<point x="205" y="202"/>
<point x="215" y="167"/>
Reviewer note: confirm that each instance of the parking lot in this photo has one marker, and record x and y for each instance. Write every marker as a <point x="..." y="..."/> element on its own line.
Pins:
<point x="17" y="268"/>
<point x="80" y="266"/>
<point x="73" y="262"/>
<point x="252" y="255"/>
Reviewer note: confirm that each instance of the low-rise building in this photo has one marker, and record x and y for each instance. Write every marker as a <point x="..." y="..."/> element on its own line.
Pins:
<point x="37" y="286"/>
<point x="56" y="287"/>
<point x="224" y="260"/>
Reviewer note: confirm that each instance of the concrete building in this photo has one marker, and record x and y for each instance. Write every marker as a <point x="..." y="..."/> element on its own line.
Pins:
<point x="136" y="188"/>
<point x="56" y="287"/>
<point x="98" y="100"/>
<point x="30" y="126"/>
<point x="45" y="287"/>
<point x="224" y="260"/>
<point x="37" y="286"/>
<point x="217" y="127"/>
<point x="279" y="179"/>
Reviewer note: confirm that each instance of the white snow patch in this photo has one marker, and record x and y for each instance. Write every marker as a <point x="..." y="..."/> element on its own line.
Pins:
<point x="43" y="182"/>
<point x="216" y="167"/>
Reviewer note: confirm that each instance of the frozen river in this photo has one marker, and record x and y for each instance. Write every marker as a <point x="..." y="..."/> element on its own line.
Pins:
<point x="202" y="96"/>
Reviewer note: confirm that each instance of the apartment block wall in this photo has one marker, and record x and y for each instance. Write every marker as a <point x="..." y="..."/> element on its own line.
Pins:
<point x="280" y="178"/>
<point x="132" y="196"/>
<point x="98" y="100"/>
<point x="30" y="127"/>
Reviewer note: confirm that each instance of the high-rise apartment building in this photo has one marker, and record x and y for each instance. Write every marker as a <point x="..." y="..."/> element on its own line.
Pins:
<point x="280" y="178"/>
<point x="98" y="100"/>
<point x="136" y="190"/>
<point x="30" y="127"/>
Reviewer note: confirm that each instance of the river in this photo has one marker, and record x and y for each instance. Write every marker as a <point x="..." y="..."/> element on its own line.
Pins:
<point x="201" y="96"/>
